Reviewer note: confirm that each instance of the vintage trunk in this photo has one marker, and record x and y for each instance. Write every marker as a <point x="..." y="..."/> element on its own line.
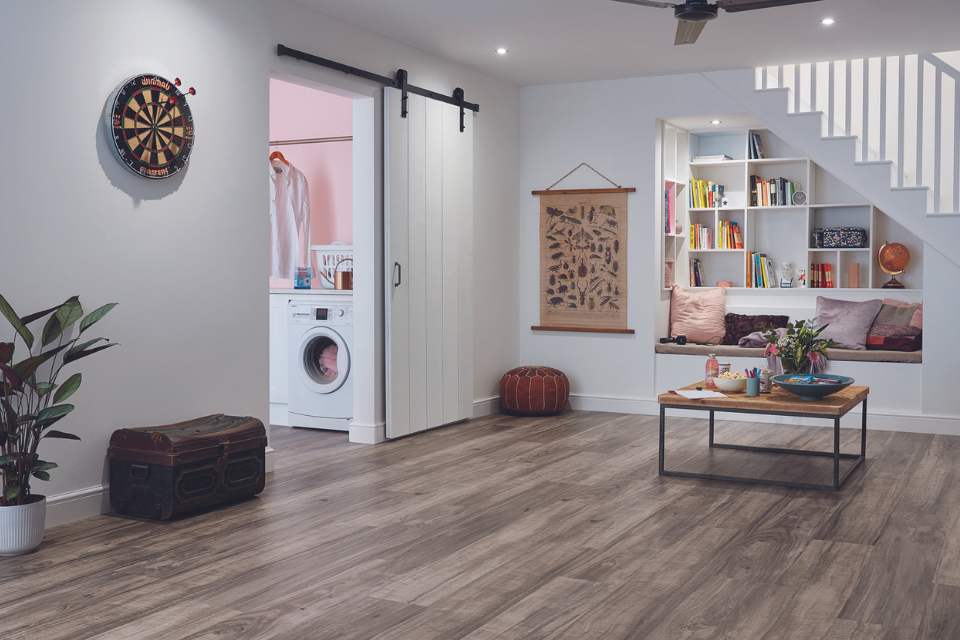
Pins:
<point x="167" y="471"/>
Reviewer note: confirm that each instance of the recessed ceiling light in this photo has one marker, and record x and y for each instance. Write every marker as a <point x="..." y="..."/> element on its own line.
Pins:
<point x="501" y="51"/>
<point x="716" y="122"/>
<point x="828" y="21"/>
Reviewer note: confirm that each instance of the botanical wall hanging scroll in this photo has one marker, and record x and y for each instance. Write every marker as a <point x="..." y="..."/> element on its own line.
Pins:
<point x="583" y="259"/>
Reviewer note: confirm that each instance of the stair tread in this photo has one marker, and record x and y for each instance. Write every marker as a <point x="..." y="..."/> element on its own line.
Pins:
<point x="910" y="188"/>
<point x="838" y="137"/>
<point x="873" y="162"/>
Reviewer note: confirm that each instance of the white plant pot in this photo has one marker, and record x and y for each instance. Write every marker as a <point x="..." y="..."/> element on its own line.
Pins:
<point x="21" y="527"/>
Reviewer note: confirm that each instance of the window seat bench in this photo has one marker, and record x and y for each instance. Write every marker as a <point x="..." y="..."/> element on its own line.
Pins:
<point x="838" y="355"/>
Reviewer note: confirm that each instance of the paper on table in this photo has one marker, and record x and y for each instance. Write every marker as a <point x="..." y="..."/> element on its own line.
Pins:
<point x="693" y="394"/>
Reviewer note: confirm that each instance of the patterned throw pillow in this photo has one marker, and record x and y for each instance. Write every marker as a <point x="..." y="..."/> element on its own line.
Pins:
<point x="739" y="325"/>
<point x="898" y="327"/>
<point x="698" y="314"/>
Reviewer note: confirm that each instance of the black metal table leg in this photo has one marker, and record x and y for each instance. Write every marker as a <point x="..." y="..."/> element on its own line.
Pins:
<point x="863" y="431"/>
<point x="663" y="419"/>
<point x="836" y="453"/>
<point x="838" y="478"/>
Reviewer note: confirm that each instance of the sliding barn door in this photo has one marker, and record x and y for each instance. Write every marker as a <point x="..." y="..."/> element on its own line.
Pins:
<point x="429" y="200"/>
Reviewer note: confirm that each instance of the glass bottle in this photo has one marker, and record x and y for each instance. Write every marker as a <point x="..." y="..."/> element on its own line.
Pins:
<point x="711" y="371"/>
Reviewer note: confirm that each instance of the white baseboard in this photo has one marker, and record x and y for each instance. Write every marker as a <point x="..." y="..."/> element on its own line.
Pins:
<point x="373" y="433"/>
<point x="269" y="456"/>
<point x="486" y="406"/>
<point x="278" y="414"/>
<point x="617" y="404"/>
<point x="71" y="506"/>
<point x="880" y="419"/>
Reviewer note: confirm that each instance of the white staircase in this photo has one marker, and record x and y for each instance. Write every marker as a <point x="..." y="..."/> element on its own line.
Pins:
<point x="888" y="127"/>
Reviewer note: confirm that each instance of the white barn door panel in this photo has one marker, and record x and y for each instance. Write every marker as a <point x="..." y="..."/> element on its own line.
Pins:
<point x="429" y="201"/>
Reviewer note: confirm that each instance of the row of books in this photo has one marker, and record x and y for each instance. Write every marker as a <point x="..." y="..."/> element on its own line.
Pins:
<point x="771" y="192"/>
<point x="821" y="275"/>
<point x="705" y="194"/>
<point x="701" y="237"/>
<point x="670" y="211"/>
<point x="760" y="271"/>
<point x="696" y="273"/>
<point x="756" y="146"/>
<point x="729" y="236"/>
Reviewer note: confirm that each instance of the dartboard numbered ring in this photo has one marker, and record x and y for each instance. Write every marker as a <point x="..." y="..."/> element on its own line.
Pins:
<point x="151" y="126"/>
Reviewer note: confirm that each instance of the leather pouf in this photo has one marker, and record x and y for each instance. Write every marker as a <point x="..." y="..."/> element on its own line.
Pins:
<point x="534" y="391"/>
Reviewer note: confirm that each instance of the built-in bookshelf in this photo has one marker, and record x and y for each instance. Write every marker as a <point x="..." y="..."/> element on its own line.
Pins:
<point x="774" y="202"/>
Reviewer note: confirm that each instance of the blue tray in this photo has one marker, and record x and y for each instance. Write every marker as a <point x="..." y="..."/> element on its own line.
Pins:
<point x="810" y="390"/>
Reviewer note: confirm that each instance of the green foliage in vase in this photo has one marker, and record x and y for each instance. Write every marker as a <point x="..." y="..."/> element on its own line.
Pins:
<point x="33" y="397"/>
<point x="800" y="348"/>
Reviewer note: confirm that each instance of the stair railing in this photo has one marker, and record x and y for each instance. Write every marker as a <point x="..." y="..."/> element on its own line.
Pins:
<point x="903" y="109"/>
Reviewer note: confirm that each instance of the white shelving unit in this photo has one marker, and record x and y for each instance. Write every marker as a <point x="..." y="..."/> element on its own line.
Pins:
<point x="784" y="233"/>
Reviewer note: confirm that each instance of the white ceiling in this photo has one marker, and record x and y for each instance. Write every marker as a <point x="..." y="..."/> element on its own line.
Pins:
<point x="570" y="40"/>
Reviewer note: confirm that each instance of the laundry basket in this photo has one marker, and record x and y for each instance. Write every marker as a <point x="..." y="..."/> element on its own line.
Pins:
<point x="326" y="257"/>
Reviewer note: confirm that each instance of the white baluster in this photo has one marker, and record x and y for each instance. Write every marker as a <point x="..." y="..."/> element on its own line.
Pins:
<point x="883" y="107"/>
<point x="919" y="177"/>
<point x="956" y="144"/>
<point x="830" y="106"/>
<point x="901" y="117"/>
<point x="865" y="123"/>
<point x="848" y="97"/>
<point x="937" y="147"/>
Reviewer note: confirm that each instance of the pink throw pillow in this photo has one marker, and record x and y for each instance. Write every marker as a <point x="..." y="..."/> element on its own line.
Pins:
<point x="698" y="314"/>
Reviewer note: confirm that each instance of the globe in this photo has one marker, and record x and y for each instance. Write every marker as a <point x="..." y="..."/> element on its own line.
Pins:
<point x="893" y="259"/>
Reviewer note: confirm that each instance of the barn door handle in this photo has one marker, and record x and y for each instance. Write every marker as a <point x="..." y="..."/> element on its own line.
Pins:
<point x="397" y="274"/>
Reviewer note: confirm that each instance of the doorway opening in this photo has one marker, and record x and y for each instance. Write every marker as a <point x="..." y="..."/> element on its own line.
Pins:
<point x="322" y="186"/>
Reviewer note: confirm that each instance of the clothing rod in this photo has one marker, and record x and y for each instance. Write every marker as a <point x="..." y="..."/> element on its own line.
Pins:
<point x="396" y="83"/>
<point x="278" y="143"/>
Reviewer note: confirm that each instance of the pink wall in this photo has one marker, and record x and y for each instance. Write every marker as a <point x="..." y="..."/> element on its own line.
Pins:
<point x="298" y="112"/>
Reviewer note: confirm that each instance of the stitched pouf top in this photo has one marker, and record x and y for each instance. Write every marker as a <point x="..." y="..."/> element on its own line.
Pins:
<point x="534" y="391"/>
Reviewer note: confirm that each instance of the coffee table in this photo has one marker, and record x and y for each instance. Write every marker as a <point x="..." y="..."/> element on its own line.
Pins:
<point x="776" y="403"/>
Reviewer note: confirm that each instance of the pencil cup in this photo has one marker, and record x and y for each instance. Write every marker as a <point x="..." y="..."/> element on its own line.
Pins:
<point x="753" y="386"/>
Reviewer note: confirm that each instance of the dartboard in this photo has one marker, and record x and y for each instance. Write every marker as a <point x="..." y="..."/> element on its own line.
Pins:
<point x="151" y="126"/>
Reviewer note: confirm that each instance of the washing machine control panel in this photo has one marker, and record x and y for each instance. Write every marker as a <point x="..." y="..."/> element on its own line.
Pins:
<point x="319" y="312"/>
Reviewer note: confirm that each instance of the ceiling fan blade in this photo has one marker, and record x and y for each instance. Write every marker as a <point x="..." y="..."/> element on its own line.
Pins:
<point x="734" y="6"/>
<point x="649" y="3"/>
<point x="688" y="31"/>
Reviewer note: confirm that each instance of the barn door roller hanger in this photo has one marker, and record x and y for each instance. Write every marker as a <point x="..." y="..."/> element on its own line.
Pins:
<point x="399" y="81"/>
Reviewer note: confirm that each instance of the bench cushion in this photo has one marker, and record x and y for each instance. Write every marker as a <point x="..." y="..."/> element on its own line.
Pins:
<point x="839" y="355"/>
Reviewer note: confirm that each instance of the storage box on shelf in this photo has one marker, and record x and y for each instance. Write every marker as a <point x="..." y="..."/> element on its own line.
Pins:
<point x="769" y="223"/>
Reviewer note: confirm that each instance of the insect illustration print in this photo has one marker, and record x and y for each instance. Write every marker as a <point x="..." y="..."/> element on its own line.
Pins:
<point x="583" y="253"/>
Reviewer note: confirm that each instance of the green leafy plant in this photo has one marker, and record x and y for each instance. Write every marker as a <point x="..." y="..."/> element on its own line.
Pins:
<point x="800" y="347"/>
<point x="32" y="397"/>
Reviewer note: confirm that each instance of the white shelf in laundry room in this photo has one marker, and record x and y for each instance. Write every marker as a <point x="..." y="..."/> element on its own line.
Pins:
<point x="312" y="292"/>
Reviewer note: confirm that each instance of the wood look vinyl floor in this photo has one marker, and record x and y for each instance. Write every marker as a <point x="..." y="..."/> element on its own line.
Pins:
<point x="515" y="528"/>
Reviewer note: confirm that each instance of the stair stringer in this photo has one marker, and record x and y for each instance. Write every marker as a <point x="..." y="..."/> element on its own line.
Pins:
<point x="837" y="155"/>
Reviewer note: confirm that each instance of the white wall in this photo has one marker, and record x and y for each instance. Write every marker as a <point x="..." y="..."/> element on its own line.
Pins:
<point x="186" y="258"/>
<point x="612" y="125"/>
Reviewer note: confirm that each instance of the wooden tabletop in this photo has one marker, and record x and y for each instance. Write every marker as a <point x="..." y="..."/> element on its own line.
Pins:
<point x="777" y="401"/>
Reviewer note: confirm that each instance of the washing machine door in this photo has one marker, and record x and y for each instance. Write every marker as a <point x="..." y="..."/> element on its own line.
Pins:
<point x="324" y="360"/>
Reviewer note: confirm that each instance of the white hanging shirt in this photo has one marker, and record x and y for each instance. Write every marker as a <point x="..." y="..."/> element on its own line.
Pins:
<point x="289" y="220"/>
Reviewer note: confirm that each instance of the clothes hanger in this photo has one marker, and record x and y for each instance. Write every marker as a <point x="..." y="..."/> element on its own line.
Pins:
<point x="276" y="155"/>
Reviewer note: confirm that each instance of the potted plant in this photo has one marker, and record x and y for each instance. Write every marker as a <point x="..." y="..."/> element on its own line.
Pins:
<point x="799" y="347"/>
<point x="33" y="399"/>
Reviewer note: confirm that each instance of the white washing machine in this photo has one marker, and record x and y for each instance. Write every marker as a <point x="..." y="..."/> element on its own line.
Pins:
<point x="320" y="386"/>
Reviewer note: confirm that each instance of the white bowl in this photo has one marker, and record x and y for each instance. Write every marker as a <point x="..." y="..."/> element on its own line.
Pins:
<point x="730" y="385"/>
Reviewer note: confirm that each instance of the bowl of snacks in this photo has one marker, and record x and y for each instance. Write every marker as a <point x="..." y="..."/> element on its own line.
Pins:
<point x="731" y="381"/>
<point x="812" y="387"/>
